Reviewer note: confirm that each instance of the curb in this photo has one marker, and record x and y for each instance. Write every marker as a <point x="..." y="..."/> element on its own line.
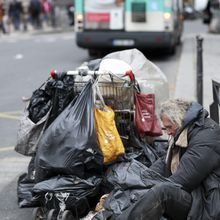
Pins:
<point x="186" y="74"/>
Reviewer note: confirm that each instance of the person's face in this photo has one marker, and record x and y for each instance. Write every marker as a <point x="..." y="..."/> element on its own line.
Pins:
<point x="168" y="125"/>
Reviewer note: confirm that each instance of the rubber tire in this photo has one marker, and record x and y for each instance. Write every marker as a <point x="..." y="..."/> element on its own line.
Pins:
<point x="52" y="214"/>
<point x="67" y="215"/>
<point x="38" y="214"/>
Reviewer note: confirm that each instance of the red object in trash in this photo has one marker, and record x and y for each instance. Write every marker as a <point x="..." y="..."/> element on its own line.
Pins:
<point x="53" y="73"/>
<point x="146" y="120"/>
<point x="130" y="74"/>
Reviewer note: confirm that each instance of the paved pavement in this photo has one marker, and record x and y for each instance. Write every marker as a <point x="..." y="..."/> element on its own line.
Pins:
<point x="186" y="78"/>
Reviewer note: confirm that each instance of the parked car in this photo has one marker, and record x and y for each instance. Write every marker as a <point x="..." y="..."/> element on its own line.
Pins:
<point x="190" y="13"/>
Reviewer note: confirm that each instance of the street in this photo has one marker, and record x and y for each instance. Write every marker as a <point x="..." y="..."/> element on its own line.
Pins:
<point x="25" y="64"/>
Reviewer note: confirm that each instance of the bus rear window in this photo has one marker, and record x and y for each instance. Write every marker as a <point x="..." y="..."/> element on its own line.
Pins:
<point x="138" y="11"/>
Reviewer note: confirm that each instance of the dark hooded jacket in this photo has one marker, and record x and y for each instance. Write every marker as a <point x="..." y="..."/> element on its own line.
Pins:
<point x="199" y="167"/>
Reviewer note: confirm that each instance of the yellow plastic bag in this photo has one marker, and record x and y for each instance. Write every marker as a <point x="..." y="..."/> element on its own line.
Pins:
<point x="109" y="139"/>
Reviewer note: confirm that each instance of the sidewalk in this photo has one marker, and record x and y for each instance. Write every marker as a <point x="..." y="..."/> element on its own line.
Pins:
<point x="186" y="79"/>
<point x="44" y="30"/>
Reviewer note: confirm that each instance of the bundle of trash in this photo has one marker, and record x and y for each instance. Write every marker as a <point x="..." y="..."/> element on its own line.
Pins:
<point x="92" y="137"/>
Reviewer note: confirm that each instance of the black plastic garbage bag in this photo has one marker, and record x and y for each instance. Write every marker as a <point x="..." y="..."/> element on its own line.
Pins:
<point x="75" y="192"/>
<point x="126" y="173"/>
<point x="131" y="180"/>
<point x="140" y="150"/>
<point x="44" y="106"/>
<point x="57" y="92"/>
<point x="25" y="186"/>
<point x="133" y="175"/>
<point x="69" y="145"/>
<point x="39" y="105"/>
<point x="24" y="192"/>
<point x="61" y="90"/>
<point x="77" y="186"/>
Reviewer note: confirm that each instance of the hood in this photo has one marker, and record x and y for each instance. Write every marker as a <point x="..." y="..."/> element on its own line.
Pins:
<point x="192" y="114"/>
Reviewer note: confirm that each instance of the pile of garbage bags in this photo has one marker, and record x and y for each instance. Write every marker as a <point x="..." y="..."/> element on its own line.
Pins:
<point x="69" y="169"/>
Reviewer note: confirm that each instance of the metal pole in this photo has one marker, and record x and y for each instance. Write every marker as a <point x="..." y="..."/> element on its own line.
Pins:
<point x="199" y="70"/>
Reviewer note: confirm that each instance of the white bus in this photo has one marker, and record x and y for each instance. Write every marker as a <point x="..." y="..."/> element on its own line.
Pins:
<point x="120" y="24"/>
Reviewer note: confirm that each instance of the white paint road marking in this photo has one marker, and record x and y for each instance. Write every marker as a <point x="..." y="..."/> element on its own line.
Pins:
<point x="10" y="115"/>
<point x="19" y="56"/>
<point x="4" y="149"/>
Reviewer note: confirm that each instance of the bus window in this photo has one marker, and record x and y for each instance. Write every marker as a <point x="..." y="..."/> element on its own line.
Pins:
<point x="138" y="11"/>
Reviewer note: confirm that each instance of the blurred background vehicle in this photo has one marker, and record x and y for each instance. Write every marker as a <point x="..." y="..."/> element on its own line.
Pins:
<point x="120" y="24"/>
<point x="214" y="25"/>
<point x="190" y="13"/>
